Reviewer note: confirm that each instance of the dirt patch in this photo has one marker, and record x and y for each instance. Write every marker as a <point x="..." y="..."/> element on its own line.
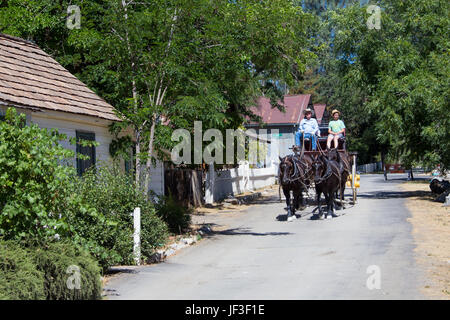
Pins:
<point x="431" y="231"/>
<point x="224" y="207"/>
<point x="216" y="216"/>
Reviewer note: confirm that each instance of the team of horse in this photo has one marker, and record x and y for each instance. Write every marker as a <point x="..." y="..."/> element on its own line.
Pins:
<point x="327" y="171"/>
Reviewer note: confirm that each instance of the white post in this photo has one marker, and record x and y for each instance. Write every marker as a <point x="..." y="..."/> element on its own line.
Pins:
<point x="246" y="175"/>
<point x="137" y="236"/>
<point x="354" y="179"/>
<point x="209" y="189"/>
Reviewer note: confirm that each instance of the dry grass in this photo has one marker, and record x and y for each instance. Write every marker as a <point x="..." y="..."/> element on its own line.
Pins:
<point x="431" y="230"/>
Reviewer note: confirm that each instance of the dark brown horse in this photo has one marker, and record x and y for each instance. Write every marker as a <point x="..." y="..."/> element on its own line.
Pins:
<point x="327" y="179"/>
<point x="291" y="178"/>
<point x="345" y="167"/>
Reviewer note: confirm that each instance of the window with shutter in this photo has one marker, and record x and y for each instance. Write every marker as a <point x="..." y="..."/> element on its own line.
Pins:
<point x="83" y="165"/>
<point x="129" y="163"/>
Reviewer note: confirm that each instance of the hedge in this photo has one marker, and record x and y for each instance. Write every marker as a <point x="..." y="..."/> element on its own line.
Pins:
<point x="60" y="263"/>
<point x="47" y="272"/>
<point x="19" y="277"/>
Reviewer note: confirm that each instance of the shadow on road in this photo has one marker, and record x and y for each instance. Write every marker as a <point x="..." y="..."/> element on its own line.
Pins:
<point x="402" y="179"/>
<point x="246" y="232"/>
<point x="283" y="217"/>
<point x="393" y="194"/>
<point x="268" y="200"/>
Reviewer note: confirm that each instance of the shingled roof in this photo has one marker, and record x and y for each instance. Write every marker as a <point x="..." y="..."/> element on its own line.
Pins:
<point x="294" y="106"/>
<point x="30" y="78"/>
<point x="319" y="110"/>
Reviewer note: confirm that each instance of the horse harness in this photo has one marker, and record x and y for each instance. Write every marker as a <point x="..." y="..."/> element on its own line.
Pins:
<point x="329" y="172"/>
<point x="297" y="176"/>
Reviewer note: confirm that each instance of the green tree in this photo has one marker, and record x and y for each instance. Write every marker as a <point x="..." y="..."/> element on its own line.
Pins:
<point x="172" y="60"/>
<point x="394" y="81"/>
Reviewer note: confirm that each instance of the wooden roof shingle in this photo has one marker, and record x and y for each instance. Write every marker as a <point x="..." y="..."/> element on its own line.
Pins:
<point x="29" y="77"/>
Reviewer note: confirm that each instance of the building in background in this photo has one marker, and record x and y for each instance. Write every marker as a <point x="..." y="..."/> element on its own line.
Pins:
<point x="281" y="126"/>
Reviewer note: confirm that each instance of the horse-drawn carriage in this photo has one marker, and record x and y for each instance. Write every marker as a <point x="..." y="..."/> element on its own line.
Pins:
<point x="328" y="171"/>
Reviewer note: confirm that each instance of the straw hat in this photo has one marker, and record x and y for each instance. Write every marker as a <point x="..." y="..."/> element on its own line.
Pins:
<point x="307" y="111"/>
<point x="334" y="111"/>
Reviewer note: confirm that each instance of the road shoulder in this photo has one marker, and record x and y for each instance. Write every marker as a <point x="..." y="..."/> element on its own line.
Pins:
<point x="431" y="230"/>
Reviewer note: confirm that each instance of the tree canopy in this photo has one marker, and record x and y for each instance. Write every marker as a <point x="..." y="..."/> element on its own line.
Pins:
<point x="393" y="83"/>
<point x="165" y="64"/>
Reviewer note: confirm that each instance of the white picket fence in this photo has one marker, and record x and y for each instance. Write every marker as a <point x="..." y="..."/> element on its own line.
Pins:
<point x="223" y="183"/>
<point x="370" y="167"/>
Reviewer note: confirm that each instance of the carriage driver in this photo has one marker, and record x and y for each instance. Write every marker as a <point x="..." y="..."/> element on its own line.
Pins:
<point x="336" y="129"/>
<point x="309" y="128"/>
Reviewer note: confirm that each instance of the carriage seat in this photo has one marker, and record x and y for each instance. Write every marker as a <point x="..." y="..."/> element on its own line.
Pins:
<point x="323" y="143"/>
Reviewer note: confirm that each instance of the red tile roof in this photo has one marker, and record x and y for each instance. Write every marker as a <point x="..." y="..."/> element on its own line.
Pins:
<point x="294" y="105"/>
<point x="30" y="78"/>
<point x="319" y="109"/>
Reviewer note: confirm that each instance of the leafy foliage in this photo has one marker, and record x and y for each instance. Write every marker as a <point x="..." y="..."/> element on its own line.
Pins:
<point x="114" y="196"/>
<point x="177" y="217"/>
<point x="393" y="83"/>
<point x="34" y="184"/>
<point x="180" y="60"/>
<point x="42" y="198"/>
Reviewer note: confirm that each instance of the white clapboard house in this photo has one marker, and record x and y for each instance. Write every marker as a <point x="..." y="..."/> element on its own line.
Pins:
<point x="51" y="97"/>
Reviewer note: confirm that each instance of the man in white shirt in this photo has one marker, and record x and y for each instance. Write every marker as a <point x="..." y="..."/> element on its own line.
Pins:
<point x="309" y="128"/>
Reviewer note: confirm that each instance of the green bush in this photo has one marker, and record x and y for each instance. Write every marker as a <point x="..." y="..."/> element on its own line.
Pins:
<point x="114" y="196"/>
<point x="177" y="217"/>
<point x="39" y="273"/>
<point x="19" y="277"/>
<point x="35" y="192"/>
<point x="61" y="263"/>
<point x="42" y="198"/>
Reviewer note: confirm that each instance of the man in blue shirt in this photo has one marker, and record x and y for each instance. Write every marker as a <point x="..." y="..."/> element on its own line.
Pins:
<point x="309" y="128"/>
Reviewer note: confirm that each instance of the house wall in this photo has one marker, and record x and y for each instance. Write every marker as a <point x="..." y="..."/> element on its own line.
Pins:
<point x="68" y="124"/>
<point x="157" y="178"/>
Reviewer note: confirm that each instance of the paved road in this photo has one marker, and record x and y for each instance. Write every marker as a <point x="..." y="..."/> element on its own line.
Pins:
<point x="260" y="257"/>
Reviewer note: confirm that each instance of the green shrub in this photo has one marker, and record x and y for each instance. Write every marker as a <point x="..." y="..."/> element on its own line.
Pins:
<point x="19" y="277"/>
<point x="61" y="263"/>
<point x="35" y="191"/>
<point x="177" y="217"/>
<point x="114" y="196"/>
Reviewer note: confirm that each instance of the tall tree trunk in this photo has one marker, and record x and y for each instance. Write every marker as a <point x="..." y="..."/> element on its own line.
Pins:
<point x="156" y="100"/>
<point x="137" y="160"/>
<point x="134" y="93"/>
<point x="150" y="154"/>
